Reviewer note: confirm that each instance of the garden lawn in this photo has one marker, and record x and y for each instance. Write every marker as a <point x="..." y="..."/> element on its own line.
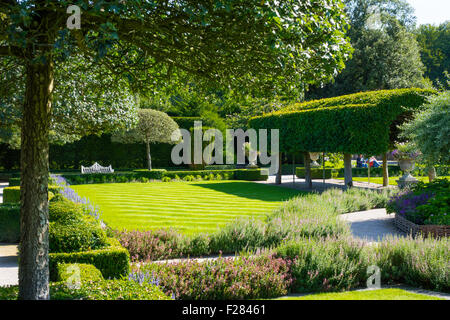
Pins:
<point x="380" y="294"/>
<point x="190" y="207"/>
<point x="392" y="180"/>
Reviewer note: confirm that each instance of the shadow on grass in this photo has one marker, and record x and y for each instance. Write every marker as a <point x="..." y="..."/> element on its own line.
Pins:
<point x="251" y="190"/>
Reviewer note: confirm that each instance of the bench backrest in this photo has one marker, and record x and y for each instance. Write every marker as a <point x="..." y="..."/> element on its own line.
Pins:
<point x="96" y="168"/>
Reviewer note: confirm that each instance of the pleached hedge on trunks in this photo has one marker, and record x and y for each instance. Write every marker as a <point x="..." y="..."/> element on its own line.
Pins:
<point x="358" y="123"/>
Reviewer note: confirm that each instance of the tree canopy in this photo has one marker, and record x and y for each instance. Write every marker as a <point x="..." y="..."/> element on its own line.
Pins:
<point x="264" y="47"/>
<point x="386" y="54"/>
<point x="365" y="122"/>
<point x="429" y="130"/>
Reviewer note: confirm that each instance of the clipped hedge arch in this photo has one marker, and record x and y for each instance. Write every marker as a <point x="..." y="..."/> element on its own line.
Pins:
<point x="364" y="122"/>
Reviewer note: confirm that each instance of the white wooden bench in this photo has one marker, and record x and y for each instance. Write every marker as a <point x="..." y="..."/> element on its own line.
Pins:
<point x="96" y="168"/>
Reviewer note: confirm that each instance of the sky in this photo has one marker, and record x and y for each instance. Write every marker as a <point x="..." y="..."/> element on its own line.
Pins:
<point x="431" y="11"/>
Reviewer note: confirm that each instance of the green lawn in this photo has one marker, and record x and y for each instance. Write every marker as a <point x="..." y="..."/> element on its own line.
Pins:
<point x="380" y="294"/>
<point x="392" y="180"/>
<point x="190" y="207"/>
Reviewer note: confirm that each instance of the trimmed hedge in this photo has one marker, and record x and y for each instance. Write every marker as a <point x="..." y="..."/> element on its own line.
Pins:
<point x="251" y="174"/>
<point x="88" y="272"/>
<point x="11" y="194"/>
<point x="155" y="174"/>
<point x="96" y="290"/>
<point x="316" y="173"/>
<point x="9" y="223"/>
<point x="359" y="123"/>
<point x="113" y="262"/>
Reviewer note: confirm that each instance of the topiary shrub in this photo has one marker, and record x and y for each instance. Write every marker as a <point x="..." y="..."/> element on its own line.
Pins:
<point x="63" y="210"/>
<point x="112" y="261"/>
<point x="11" y="194"/>
<point x="154" y="174"/>
<point x="9" y="223"/>
<point x="86" y="272"/>
<point x="76" y="235"/>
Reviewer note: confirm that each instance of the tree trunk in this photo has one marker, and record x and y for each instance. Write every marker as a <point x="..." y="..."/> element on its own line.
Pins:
<point x="34" y="226"/>
<point x="348" y="170"/>
<point x="149" y="156"/>
<point x="385" y="171"/>
<point x="308" y="178"/>
<point x="280" y="171"/>
<point x="431" y="173"/>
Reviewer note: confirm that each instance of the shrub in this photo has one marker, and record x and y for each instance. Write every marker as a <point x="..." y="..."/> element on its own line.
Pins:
<point x="417" y="262"/>
<point x="316" y="173"/>
<point x="99" y="290"/>
<point x="154" y="174"/>
<point x="11" y="194"/>
<point x="251" y="174"/>
<point x="222" y="279"/>
<point x="87" y="272"/>
<point x="81" y="235"/>
<point x="9" y="223"/>
<point x="151" y="245"/>
<point x="113" y="261"/>
<point x="188" y="178"/>
<point x="166" y="179"/>
<point x="426" y="203"/>
<point x="63" y="210"/>
<point x="241" y="234"/>
<point x="326" y="264"/>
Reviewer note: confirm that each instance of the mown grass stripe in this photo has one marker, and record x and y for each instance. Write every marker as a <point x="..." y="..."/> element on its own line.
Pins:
<point x="188" y="207"/>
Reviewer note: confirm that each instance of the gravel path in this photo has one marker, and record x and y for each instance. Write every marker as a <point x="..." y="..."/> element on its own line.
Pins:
<point x="9" y="269"/>
<point x="288" y="181"/>
<point x="371" y="225"/>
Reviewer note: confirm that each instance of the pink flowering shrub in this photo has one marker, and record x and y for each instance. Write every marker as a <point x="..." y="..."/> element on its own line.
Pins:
<point x="325" y="264"/>
<point x="151" y="245"/>
<point x="262" y="276"/>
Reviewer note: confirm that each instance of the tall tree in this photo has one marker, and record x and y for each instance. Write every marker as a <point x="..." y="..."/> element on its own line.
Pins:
<point x="434" y="43"/>
<point x="261" y="46"/>
<point x="386" y="52"/>
<point x="152" y="126"/>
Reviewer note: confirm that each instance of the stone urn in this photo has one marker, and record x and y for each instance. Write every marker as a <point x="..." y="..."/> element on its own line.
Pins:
<point x="314" y="157"/>
<point x="406" y="165"/>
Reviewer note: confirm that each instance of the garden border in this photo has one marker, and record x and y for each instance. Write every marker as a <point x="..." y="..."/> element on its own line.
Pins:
<point x="414" y="229"/>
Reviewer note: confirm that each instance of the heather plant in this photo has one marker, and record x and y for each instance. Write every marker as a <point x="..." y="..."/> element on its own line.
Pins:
<point x="422" y="262"/>
<point x="325" y="264"/>
<point x="244" y="277"/>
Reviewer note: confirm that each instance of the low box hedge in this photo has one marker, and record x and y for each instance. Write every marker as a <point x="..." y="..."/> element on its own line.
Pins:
<point x="12" y="194"/>
<point x="113" y="262"/>
<point x="9" y="223"/>
<point x="316" y="173"/>
<point x="155" y="174"/>
<point x="87" y="272"/>
<point x="257" y="174"/>
<point x="181" y="174"/>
